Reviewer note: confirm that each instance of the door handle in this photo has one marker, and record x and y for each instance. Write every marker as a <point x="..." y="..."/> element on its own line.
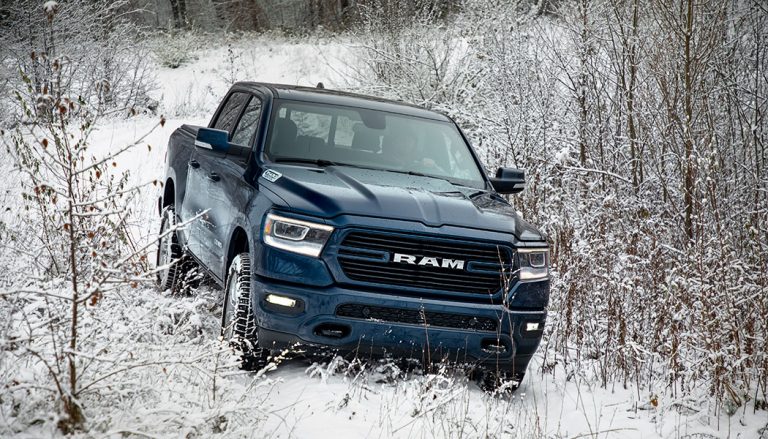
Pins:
<point x="194" y="163"/>
<point x="214" y="176"/>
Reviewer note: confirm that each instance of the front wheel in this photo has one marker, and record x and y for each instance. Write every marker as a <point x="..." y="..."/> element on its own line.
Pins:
<point x="237" y="323"/>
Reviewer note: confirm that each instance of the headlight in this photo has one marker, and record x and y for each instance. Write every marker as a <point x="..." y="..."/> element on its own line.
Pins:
<point x="295" y="235"/>
<point x="534" y="263"/>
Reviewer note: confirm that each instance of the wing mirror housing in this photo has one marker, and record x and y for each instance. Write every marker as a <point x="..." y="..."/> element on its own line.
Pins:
<point x="509" y="181"/>
<point x="217" y="141"/>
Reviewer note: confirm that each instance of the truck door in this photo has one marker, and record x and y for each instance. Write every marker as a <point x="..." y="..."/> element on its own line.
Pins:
<point x="215" y="183"/>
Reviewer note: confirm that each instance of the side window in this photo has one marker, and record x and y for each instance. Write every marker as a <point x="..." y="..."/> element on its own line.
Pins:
<point x="228" y="116"/>
<point x="246" y="128"/>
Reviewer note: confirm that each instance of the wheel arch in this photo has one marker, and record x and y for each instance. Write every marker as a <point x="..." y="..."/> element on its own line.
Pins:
<point x="169" y="193"/>
<point x="238" y="243"/>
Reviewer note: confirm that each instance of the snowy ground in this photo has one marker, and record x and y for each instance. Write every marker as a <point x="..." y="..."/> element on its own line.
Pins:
<point x="180" y="381"/>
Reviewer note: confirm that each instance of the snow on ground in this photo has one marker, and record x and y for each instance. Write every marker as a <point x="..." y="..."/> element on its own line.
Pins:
<point x="181" y="381"/>
<point x="196" y="88"/>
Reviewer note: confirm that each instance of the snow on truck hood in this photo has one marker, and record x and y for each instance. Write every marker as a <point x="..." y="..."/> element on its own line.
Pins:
<point x="336" y="190"/>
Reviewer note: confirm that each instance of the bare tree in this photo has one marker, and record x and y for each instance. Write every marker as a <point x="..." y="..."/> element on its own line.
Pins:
<point x="79" y="206"/>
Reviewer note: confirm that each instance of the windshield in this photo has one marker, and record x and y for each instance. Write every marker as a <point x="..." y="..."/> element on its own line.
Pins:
<point x="367" y="138"/>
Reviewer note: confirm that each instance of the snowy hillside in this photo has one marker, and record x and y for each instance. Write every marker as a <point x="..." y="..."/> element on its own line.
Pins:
<point x="156" y="368"/>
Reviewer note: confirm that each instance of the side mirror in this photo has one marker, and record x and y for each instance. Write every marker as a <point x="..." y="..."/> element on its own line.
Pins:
<point x="217" y="141"/>
<point x="212" y="140"/>
<point x="509" y="181"/>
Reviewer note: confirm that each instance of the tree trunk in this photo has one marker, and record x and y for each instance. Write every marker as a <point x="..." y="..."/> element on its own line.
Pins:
<point x="176" y="11"/>
<point x="259" y="19"/>
<point x="637" y="171"/>
<point x="581" y="92"/>
<point x="689" y="182"/>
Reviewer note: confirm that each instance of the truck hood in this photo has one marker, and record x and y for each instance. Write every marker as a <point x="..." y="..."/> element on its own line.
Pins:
<point x="336" y="190"/>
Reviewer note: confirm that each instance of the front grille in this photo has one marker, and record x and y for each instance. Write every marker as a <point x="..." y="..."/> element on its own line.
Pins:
<point x="416" y="317"/>
<point x="368" y="257"/>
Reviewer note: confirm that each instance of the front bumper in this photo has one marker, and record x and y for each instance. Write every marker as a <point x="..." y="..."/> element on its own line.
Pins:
<point x="320" y="287"/>
<point x="314" y="323"/>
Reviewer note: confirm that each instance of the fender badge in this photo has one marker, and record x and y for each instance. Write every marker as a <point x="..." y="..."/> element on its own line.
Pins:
<point x="271" y="175"/>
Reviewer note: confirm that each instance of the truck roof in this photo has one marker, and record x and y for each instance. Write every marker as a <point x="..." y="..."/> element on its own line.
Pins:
<point x="335" y="97"/>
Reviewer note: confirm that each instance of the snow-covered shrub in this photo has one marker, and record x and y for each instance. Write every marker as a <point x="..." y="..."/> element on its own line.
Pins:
<point x="406" y="51"/>
<point x="650" y="283"/>
<point x="107" y="62"/>
<point x="175" y="49"/>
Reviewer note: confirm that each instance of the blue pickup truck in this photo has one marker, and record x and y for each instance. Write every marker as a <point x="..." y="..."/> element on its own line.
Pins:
<point x="352" y="223"/>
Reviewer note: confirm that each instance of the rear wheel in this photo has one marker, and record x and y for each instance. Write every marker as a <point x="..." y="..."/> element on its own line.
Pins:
<point x="175" y="270"/>
<point x="169" y="253"/>
<point x="237" y="323"/>
<point x="499" y="381"/>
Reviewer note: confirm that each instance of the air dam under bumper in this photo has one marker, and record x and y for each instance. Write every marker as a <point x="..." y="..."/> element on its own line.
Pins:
<point x="390" y="328"/>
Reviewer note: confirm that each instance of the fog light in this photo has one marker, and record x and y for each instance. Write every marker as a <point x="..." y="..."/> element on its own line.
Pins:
<point x="281" y="300"/>
<point x="531" y="326"/>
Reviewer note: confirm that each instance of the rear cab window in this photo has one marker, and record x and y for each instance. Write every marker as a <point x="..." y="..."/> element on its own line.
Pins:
<point x="240" y="117"/>
<point x="230" y="112"/>
<point x="248" y="123"/>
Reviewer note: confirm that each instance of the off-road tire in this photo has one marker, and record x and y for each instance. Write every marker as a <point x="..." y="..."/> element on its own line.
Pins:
<point x="169" y="252"/>
<point x="494" y="381"/>
<point x="237" y="323"/>
<point x="182" y="274"/>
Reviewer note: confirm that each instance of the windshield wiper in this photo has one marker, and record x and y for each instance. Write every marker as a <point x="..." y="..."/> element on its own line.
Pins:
<point x="420" y="174"/>
<point x="322" y="163"/>
<point x="319" y="162"/>
<point x="449" y="180"/>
